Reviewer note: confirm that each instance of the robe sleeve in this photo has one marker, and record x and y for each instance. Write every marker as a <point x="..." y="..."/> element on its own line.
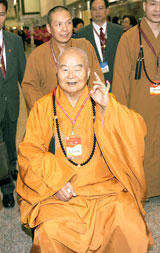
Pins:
<point x="31" y="85"/>
<point x="41" y="173"/>
<point x="122" y="71"/>
<point x="121" y="137"/>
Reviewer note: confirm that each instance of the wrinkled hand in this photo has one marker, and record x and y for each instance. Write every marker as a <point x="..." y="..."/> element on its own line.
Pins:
<point x="99" y="92"/>
<point x="66" y="192"/>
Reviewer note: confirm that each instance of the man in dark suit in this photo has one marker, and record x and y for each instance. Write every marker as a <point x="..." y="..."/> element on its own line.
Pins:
<point x="12" y="66"/>
<point x="105" y="49"/>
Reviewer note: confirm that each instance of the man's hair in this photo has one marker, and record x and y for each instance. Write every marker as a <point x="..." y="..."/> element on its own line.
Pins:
<point x="77" y="21"/>
<point x="54" y="9"/>
<point x="105" y="2"/>
<point x="5" y="3"/>
<point x="72" y="50"/>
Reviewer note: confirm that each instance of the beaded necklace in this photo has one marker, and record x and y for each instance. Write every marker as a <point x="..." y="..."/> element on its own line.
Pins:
<point x="60" y="139"/>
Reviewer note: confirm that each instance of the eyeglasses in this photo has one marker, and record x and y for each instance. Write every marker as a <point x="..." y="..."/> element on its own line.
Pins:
<point x="2" y="14"/>
<point x="100" y="8"/>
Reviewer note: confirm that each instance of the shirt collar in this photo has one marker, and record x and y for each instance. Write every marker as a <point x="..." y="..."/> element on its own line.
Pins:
<point x="1" y="37"/>
<point x="97" y="27"/>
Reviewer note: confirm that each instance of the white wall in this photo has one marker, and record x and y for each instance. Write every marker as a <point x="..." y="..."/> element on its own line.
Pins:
<point x="46" y="5"/>
<point x="31" y="6"/>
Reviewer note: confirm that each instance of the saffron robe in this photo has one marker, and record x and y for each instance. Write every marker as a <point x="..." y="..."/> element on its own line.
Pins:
<point x="135" y="94"/>
<point x="40" y="76"/>
<point x="110" y="189"/>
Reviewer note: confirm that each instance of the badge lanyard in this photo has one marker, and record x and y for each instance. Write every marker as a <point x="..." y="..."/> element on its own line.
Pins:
<point x="53" y="54"/>
<point x="72" y="121"/>
<point x="140" y="59"/>
<point x="60" y="140"/>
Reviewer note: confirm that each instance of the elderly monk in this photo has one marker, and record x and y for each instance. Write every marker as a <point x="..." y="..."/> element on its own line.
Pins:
<point x="81" y="180"/>
<point x="40" y="75"/>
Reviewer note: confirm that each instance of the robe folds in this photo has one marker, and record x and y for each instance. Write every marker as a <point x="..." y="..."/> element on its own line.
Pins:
<point x="135" y="94"/>
<point x="40" y="77"/>
<point x="107" y="214"/>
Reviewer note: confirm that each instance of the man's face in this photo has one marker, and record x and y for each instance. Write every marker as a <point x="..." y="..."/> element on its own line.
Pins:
<point x="72" y="72"/>
<point x="61" y="26"/>
<point x="99" y="11"/>
<point x="152" y="10"/>
<point x="2" y="15"/>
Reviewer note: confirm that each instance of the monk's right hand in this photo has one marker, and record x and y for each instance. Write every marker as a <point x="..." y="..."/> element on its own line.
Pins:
<point x="66" y="192"/>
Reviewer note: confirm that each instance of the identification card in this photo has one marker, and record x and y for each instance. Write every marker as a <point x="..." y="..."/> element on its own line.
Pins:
<point x="104" y="67"/>
<point x="74" y="147"/>
<point x="155" y="89"/>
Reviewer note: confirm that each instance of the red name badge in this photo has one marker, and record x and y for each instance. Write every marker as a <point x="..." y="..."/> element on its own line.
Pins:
<point x="155" y="89"/>
<point x="73" y="147"/>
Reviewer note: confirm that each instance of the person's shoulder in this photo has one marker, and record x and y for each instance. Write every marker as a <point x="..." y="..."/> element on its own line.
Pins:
<point x="83" y="43"/>
<point x="84" y="30"/>
<point x="38" y="51"/>
<point x="12" y="36"/>
<point x="131" y="33"/>
<point x="115" y="27"/>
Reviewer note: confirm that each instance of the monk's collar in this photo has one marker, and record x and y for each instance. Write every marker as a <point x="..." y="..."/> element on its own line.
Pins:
<point x="63" y="99"/>
<point x="55" y="47"/>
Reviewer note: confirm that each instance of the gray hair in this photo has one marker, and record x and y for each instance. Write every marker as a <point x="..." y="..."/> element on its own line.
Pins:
<point x="72" y="50"/>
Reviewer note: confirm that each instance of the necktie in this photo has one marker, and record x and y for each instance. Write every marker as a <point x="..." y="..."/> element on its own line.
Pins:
<point x="102" y="41"/>
<point x="2" y="67"/>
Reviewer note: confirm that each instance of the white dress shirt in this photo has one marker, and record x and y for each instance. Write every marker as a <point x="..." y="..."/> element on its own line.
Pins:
<point x="4" y="51"/>
<point x="96" y="37"/>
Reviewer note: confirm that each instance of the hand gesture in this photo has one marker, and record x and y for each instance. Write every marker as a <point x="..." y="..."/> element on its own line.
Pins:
<point x="99" y="92"/>
<point x="66" y="192"/>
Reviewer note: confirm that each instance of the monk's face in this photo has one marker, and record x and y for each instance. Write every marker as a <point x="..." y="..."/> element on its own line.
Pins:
<point x="61" y="26"/>
<point x="73" y="72"/>
<point x="152" y="10"/>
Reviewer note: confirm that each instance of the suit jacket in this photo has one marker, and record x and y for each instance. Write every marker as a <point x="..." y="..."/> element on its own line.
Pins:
<point x="15" y="66"/>
<point x="114" y="33"/>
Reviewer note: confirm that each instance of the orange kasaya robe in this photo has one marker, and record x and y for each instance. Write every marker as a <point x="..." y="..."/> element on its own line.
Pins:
<point x="107" y="214"/>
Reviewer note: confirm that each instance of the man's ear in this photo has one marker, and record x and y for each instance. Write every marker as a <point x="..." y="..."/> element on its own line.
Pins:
<point x="144" y="6"/>
<point x="88" y="73"/>
<point x="48" y="28"/>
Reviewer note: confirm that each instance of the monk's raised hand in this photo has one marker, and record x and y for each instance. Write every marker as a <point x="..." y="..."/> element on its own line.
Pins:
<point x="66" y="192"/>
<point x="99" y="92"/>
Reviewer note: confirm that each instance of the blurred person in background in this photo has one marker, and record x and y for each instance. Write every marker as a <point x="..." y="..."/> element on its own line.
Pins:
<point x="27" y="35"/>
<point x="78" y="23"/>
<point x="116" y="20"/>
<point x="128" y="22"/>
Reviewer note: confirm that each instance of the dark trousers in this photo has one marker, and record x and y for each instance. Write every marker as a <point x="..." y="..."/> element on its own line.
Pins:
<point x="8" y="135"/>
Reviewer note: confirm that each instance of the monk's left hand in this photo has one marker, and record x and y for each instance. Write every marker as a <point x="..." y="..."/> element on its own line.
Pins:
<point x="66" y="192"/>
<point x="99" y="92"/>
